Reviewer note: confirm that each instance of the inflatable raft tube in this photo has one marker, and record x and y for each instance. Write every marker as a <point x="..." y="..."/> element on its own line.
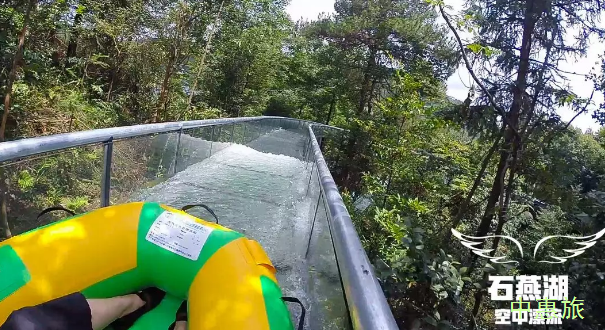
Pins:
<point x="228" y="279"/>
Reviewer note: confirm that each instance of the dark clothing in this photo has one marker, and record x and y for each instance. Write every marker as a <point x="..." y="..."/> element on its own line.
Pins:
<point x="69" y="312"/>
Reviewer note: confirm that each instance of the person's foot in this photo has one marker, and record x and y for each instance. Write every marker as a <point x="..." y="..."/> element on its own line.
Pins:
<point x="135" y="302"/>
<point x="180" y="322"/>
<point x="150" y="298"/>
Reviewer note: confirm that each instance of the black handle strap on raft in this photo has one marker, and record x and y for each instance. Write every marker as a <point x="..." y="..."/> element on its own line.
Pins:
<point x="303" y="311"/>
<point x="55" y="208"/>
<point x="188" y="207"/>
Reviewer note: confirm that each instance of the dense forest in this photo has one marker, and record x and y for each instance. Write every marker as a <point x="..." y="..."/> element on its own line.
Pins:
<point x="414" y="163"/>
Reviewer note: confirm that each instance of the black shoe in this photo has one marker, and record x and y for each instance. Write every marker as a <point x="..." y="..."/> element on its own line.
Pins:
<point x="152" y="298"/>
<point x="181" y="315"/>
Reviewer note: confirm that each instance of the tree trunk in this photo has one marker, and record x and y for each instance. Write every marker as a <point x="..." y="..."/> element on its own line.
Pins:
<point x="367" y="79"/>
<point x="502" y="218"/>
<point x="174" y="58"/>
<point x="371" y="96"/>
<point x="203" y="59"/>
<point x="72" y="47"/>
<point x="12" y="76"/>
<point x="511" y="144"/>
<point x="110" y="85"/>
<point x="476" y="183"/>
<point x="161" y="109"/>
<point x="345" y="177"/>
<point x="494" y="196"/>
<point x="332" y="107"/>
<point x="513" y="118"/>
<point x="392" y="163"/>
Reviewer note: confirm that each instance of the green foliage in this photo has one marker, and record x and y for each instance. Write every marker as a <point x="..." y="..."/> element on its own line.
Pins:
<point x="76" y="204"/>
<point x="417" y="164"/>
<point x="69" y="179"/>
<point x="413" y="164"/>
<point x="409" y="268"/>
<point x="26" y="182"/>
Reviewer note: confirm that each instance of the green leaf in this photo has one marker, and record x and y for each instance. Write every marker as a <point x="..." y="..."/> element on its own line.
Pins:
<point x="488" y="269"/>
<point x="467" y="279"/>
<point x="26" y="182"/>
<point x="477" y="285"/>
<point x="488" y="52"/>
<point x="81" y="9"/>
<point x="430" y="320"/>
<point x="419" y="247"/>
<point x="463" y="270"/>
<point x="437" y="316"/>
<point x="475" y="48"/>
<point x="444" y="325"/>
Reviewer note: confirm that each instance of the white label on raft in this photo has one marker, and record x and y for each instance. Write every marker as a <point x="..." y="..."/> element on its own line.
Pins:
<point x="179" y="234"/>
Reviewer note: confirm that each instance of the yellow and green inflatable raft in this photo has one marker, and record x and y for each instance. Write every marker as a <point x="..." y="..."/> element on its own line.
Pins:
<point x="228" y="279"/>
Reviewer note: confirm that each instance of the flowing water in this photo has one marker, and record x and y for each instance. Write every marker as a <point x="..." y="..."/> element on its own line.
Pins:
<point x="265" y="190"/>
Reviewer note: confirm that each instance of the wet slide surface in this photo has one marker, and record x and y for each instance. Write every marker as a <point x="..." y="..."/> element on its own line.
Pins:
<point x="267" y="192"/>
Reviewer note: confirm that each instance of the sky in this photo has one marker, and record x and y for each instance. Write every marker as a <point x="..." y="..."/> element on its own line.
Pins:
<point x="309" y="9"/>
<point x="458" y="82"/>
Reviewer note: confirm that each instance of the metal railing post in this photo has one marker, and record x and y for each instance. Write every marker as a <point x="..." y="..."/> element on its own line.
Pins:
<point x="310" y="177"/>
<point x="244" y="141"/>
<point x="106" y="176"/>
<point x="312" y="226"/>
<point x="176" y="150"/>
<point x="307" y="154"/>
<point x="211" y="141"/>
<point x="232" y="133"/>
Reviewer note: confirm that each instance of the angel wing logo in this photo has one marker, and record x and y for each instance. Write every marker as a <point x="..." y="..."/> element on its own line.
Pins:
<point x="583" y="242"/>
<point x="476" y="243"/>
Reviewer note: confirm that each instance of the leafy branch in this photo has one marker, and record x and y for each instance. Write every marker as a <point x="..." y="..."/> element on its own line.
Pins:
<point x="467" y="63"/>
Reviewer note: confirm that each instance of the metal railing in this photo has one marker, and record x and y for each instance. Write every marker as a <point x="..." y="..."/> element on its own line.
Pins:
<point x="368" y="308"/>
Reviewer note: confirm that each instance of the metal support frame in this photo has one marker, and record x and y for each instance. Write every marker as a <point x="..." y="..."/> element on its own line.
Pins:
<point x="244" y="141"/>
<point x="176" y="150"/>
<point x="311" y="177"/>
<point x="308" y="157"/>
<point x="367" y="304"/>
<point x="106" y="176"/>
<point x="312" y="226"/>
<point x="211" y="140"/>
<point x="13" y="150"/>
<point x="365" y="299"/>
<point x="219" y="135"/>
<point x="305" y="153"/>
<point x="232" y="133"/>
